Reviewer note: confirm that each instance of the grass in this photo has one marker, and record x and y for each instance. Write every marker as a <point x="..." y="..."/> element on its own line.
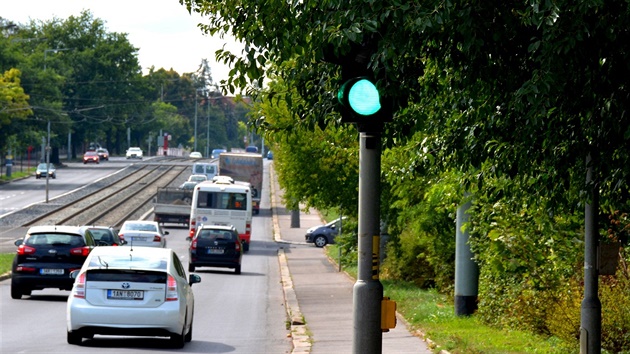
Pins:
<point x="15" y="175"/>
<point x="432" y="315"/>
<point x="6" y="259"/>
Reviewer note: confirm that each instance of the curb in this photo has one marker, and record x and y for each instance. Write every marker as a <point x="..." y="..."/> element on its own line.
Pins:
<point x="301" y="339"/>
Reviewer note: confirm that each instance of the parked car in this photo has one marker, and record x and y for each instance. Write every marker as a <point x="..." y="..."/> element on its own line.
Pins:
<point x="91" y="156"/>
<point x="134" y="153"/>
<point x="195" y="155"/>
<point x="216" y="246"/>
<point x="188" y="185"/>
<point x="197" y="178"/>
<point x="324" y="234"/>
<point x="143" y="233"/>
<point x="139" y="291"/>
<point x="42" y="169"/>
<point x="104" y="235"/>
<point x="251" y="148"/>
<point x="103" y="154"/>
<point x="46" y="256"/>
<point x="216" y="152"/>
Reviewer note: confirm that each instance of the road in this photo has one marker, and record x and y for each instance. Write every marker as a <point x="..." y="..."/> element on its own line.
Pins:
<point x="233" y="313"/>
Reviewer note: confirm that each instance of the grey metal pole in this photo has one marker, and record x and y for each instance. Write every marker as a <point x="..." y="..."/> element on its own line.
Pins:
<point x="208" y="132"/>
<point x="295" y="218"/>
<point x="69" y="144"/>
<point x="591" y="309"/>
<point x="47" y="161"/>
<point x="466" y="270"/>
<point x="368" y="290"/>
<point x="195" y="149"/>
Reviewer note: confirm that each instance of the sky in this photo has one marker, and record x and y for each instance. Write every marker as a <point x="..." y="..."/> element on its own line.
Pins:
<point x="165" y="34"/>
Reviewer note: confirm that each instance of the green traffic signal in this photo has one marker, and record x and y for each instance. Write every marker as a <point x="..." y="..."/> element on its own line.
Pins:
<point x="361" y="96"/>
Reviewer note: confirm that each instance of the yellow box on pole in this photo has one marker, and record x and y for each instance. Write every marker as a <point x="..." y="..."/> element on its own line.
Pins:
<point x="388" y="314"/>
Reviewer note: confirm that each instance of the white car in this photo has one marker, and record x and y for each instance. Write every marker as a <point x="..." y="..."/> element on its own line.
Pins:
<point x="195" y="155"/>
<point x="143" y="233"/>
<point x="197" y="178"/>
<point x="131" y="291"/>
<point x="134" y="153"/>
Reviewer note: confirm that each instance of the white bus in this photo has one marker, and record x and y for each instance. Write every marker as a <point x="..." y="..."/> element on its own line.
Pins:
<point x="222" y="203"/>
<point x="203" y="168"/>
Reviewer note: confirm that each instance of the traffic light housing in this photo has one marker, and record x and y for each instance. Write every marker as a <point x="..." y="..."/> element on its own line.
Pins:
<point x="361" y="102"/>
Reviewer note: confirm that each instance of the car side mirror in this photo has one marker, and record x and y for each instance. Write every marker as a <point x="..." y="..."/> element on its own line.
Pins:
<point x="18" y="242"/>
<point x="74" y="273"/>
<point x="194" y="278"/>
<point x="166" y="232"/>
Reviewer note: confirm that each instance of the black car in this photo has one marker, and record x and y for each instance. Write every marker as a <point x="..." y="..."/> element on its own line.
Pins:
<point x="216" y="246"/>
<point x="46" y="256"/>
<point x="104" y="235"/>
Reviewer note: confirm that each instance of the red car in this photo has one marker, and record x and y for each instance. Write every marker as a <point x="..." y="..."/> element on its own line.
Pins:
<point x="91" y="156"/>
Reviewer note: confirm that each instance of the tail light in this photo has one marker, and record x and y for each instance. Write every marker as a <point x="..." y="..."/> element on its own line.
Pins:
<point x="80" y="251"/>
<point x="248" y="228"/>
<point x="24" y="249"/>
<point x="237" y="246"/>
<point x="121" y="236"/>
<point x="23" y="269"/>
<point x="171" y="289"/>
<point x="193" y="244"/>
<point x="79" y="287"/>
<point x="193" y="228"/>
<point x="157" y="238"/>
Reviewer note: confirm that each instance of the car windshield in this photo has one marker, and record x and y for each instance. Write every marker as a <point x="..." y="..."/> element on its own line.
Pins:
<point x="216" y="235"/>
<point x="42" y="166"/>
<point x="55" y="240"/>
<point x="128" y="261"/>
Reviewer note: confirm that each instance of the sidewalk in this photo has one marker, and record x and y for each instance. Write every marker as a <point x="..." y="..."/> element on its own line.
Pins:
<point x="318" y="297"/>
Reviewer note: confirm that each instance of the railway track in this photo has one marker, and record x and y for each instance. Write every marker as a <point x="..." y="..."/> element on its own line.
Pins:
<point x="115" y="203"/>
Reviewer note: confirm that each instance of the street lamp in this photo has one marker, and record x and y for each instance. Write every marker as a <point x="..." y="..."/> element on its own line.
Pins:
<point x="55" y="50"/>
<point x="196" y="91"/>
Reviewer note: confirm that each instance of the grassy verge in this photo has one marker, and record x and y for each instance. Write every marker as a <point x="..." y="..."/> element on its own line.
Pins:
<point x="6" y="259"/>
<point x="16" y="175"/>
<point x="432" y="315"/>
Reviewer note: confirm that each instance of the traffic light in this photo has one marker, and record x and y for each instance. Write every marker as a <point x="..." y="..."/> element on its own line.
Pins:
<point x="362" y="102"/>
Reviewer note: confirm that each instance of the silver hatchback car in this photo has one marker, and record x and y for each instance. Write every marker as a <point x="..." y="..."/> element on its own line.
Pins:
<point x="131" y="291"/>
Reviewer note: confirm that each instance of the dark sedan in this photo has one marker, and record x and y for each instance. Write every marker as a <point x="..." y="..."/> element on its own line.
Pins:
<point x="216" y="246"/>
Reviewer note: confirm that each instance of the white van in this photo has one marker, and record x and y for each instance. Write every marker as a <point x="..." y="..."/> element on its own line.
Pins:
<point x="204" y="168"/>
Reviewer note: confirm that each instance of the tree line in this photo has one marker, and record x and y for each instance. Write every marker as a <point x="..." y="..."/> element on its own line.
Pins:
<point x="505" y="104"/>
<point x="87" y="85"/>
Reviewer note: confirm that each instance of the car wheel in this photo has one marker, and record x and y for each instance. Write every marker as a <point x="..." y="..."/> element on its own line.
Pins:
<point x="237" y="270"/>
<point x="177" y="340"/>
<point x="74" y="338"/>
<point x="191" y="268"/>
<point x="54" y="176"/>
<point x="85" y="162"/>
<point x="188" y="336"/>
<point x="245" y="246"/>
<point x="16" y="292"/>
<point x="320" y="241"/>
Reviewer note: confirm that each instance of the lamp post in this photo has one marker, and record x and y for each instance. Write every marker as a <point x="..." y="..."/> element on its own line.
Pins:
<point x="55" y="50"/>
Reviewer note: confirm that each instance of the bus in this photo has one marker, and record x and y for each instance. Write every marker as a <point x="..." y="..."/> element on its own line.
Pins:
<point x="204" y="168"/>
<point x="222" y="203"/>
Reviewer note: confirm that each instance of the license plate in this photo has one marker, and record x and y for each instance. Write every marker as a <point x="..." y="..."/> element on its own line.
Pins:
<point x="213" y="251"/>
<point x="51" y="271"/>
<point x="125" y="294"/>
<point x="138" y="239"/>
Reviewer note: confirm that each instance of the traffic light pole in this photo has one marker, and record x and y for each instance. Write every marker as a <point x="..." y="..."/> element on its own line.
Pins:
<point x="368" y="290"/>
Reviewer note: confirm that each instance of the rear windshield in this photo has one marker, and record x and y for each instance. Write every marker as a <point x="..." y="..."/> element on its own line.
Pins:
<point x="212" y="235"/>
<point x="128" y="262"/>
<point x="138" y="276"/>
<point x="55" y="240"/>
<point x="140" y="227"/>
<point x="222" y="200"/>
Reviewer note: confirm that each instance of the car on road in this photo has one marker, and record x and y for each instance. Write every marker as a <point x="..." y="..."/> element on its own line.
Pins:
<point x="91" y="156"/>
<point x="134" y="153"/>
<point x="188" y="185"/>
<point x="251" y="148"/>
<point x="131" y="291"/>
<point x="143" y="233"/>
<point x="197" y="178"/>
<point x="215" y="246"/>
<point x="216" y="152"/>
<point x="324" y="234"/>
<point x="195" y="155"/>
<point x="103" y="154"/>
<point x="46" y="256"/>
<point x="104" y="235"/>
<point x="43" y="169"/>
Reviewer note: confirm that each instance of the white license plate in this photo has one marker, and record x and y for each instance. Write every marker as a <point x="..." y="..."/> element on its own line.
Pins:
<point x="113" y="294"/>
<point x="213" y="251"/>
<point x="139" y="239"/>
<point x="46" y="271"/>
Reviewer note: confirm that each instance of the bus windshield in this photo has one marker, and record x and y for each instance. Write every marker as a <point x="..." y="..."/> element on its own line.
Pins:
<point x="222" y="200"/>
